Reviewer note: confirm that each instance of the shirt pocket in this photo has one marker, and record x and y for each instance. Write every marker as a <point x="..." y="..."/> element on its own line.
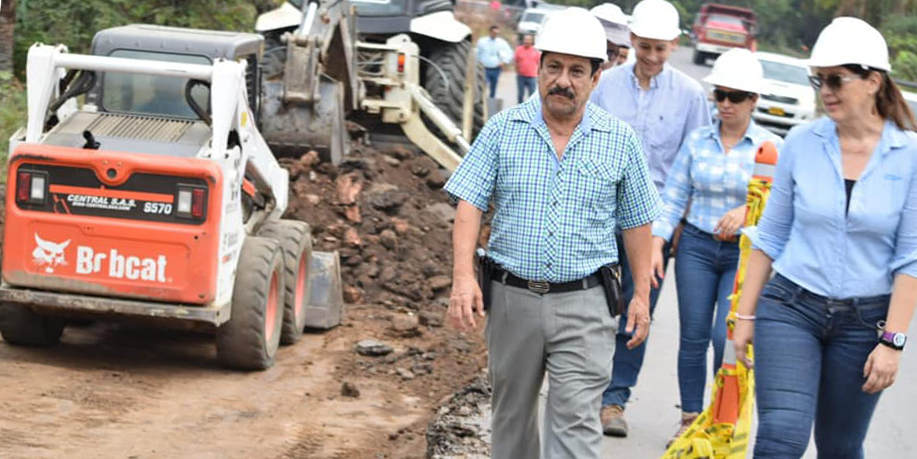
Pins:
<point x="667" y="133"/>
<point x="594" y="191"/>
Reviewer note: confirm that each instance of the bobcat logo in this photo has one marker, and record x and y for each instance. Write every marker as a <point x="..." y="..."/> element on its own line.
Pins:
<point x="49" y="254"/>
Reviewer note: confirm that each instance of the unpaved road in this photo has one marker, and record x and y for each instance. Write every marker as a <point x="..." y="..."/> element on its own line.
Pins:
<point x="111" y="391"/>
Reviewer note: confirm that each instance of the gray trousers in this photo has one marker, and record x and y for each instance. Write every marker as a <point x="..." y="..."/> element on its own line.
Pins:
<point x="572" y="336"/>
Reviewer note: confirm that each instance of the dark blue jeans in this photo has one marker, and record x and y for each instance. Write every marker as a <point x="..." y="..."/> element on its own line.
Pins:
<point x="809" y="359"/>
<point x="492" y="75"/>
<point x="524" y="86"/>
<point x="627" y="362"/>
<point x="704" y="276"/>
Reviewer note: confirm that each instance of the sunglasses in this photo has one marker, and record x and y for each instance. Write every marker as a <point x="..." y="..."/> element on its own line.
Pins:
<point x="736" y="97"/>
<point x="833" y="81"/>
<point x="612" y="53"/>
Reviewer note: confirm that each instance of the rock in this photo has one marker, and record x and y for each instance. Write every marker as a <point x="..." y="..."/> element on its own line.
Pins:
<point x="401" y="226"/>
<point x="349" y="389"/>
<point x="420" y="169"/>
<point x="421" y="369"/>
<point x="430" y="268"/>
<point x="347" y="187"/>
<point x="438" y="283"/>
<point x="391" y="161"/>
<point x="400" y="152"/>
<point x="444" y="211"/>
<point x="313" y="199"/>
<point x="353" y="295"/>
<point x="405" y="374"/>
<point x="309" y="159"/>
<point x="405" y="326"/>
<point x="387" y="275"/>
<point x="373" y="348"/>
<point x="352" y="213"/>
<point x="430" y="318"/>
<point x="352" y="237"/>
<point x="436" y="180"/>
<point x="386" y="197"/>
<point x="388" y="239"/>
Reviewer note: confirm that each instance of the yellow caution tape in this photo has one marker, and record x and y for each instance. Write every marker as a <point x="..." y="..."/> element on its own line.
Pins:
<point x="703" y="439"/>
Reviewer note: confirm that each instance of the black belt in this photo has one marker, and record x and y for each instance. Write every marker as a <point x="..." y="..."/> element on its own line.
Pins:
<point x="541" y="287"/>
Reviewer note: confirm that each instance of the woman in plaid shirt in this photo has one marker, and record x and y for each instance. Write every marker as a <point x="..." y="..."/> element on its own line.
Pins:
<point x="711" y="172"/>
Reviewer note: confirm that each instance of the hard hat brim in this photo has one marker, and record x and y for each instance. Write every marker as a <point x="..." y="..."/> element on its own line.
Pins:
<point x="655" y="34"/>
<point x="737" y="85"/>
<point x="839" y="62"/>
<point x="617" y="34"/>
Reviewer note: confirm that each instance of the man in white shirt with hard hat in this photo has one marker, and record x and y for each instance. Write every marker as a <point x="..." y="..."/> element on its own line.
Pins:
<point x="617" y="33"/>
<point x="662" y="105"/>
<point x="562" y="175"/>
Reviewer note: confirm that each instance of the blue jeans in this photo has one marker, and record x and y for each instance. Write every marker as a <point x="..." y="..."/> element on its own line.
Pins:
<point x="524" y="84"/>
<point x="627" y="362"/>
<point x="492" y="75"/>
<point x="704" y="276"/>
<point x="809" y="359"/>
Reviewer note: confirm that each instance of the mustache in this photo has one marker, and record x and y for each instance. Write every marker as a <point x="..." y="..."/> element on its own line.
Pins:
<point x="557" y="90"/>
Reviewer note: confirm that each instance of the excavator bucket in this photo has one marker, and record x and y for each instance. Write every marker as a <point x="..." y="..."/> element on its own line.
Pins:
<point x="326" y="298"/>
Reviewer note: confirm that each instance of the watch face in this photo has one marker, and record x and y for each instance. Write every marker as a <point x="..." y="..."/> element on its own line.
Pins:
<point x="899" y="339"/>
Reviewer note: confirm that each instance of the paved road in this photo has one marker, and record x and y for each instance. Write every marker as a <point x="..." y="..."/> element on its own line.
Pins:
<point x="653" y="413"/>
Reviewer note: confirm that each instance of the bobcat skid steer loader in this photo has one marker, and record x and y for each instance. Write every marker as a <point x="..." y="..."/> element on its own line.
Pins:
<point x="161" y="203"/>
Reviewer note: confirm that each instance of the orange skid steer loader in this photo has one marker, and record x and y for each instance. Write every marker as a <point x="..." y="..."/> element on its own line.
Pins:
<point x="120" y="209"/>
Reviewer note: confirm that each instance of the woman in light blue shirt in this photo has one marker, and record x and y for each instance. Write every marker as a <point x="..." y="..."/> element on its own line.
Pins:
<point x="711" y="171"/>
<point x="840" y="230"/>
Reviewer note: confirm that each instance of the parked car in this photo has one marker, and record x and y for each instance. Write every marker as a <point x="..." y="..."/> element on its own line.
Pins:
<point x="787" y="99"/>
<point x="531" y="21"/>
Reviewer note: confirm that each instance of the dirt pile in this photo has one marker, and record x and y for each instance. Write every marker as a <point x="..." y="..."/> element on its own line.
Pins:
<point x="387" y="216"/>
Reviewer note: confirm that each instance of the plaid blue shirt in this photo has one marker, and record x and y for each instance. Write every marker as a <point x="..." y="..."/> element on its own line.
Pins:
<point x="555" y="219"/>
<point x="713" y="182"/>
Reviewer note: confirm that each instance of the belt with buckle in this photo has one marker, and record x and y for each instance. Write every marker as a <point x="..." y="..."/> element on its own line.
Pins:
<point x="541" y="287"/>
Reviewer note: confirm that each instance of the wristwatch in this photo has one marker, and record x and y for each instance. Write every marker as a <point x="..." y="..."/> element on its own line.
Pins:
<point x="893" y="340"/>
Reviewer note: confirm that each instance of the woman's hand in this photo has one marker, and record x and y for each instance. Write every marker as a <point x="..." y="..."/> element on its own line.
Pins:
<point x="657" y="265"/>
<point x="881" y="368"/>
<point x="742" y="335"/>
<point x="729" y="224"/>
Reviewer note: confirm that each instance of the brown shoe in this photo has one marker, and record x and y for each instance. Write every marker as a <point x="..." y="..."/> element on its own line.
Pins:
<point x="686" y="420"/>
<point x="613" y="423"/>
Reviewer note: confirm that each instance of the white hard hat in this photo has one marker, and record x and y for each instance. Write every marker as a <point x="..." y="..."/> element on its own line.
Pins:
<point x="850" y="41"/>
<point x="738" y="69"/>
<point x="573" y="31"/>
<point x="609" y="12"/>
<point x="615" y="23"/>
<point x="656" y="20"/>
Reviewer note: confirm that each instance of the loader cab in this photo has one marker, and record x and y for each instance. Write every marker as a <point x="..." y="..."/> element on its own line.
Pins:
<point x="150" y="95"/>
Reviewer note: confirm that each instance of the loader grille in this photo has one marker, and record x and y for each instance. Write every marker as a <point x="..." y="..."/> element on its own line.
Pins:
<point x="139" y="127"/>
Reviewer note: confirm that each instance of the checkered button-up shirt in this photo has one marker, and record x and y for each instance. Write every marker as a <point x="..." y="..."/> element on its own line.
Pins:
<point x="712" y="181"/>
<point x="555" y="219"/>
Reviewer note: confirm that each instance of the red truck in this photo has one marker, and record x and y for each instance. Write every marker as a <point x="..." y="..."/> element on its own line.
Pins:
<point x="719" y="28"/>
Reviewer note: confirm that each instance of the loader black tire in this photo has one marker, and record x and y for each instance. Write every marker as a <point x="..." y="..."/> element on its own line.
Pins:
<point x="451" y="58"/>
<point x="22" y="326"/>
<point x="295" y="238"/>
<point x="699" y="58"/>
<point x="249" y="340"/>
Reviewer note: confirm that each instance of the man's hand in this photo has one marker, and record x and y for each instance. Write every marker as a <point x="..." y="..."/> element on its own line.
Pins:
<point x="465" y="301"/>
<point x="729" y="224"/>
<point x="638" y="321"/>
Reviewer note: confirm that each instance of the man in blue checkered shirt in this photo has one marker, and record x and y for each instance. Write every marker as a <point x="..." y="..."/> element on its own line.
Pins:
<point x="562" y="175"/>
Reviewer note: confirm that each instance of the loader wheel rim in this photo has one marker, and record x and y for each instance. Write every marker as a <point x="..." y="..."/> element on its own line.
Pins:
<point x="299" y="298"/>
<point x="270" y="313"/>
